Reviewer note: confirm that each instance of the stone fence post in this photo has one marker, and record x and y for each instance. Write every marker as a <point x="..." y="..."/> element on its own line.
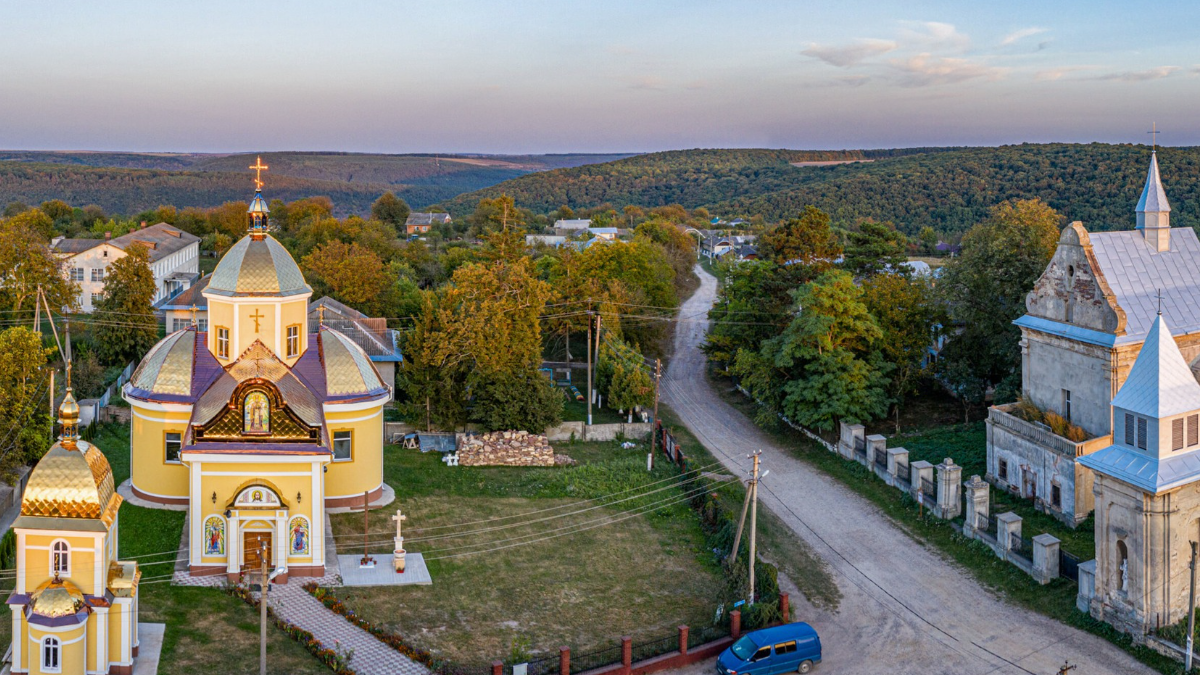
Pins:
<point x="1007" y="524"/>
<point x="785" y="606"/>
<point x="564" y="661"/>
<point x="949" y="487"/>
<point x="683" y="640"/>
<point x="626" y="654"/>
<point x="849" y="434"/>
<point x="921" y="471"/>
<point x="896" y="457"/>
<point x="1045" y="558"/>
<point x="977" y="491"/>
<point x="874" y="442"/>
<point x="1087" y="586"/>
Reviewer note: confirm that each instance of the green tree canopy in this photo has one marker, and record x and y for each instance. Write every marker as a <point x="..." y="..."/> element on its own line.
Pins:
<point x="909" y="318"/>
<point x="24" y="389"/>
<point x="124" y="325"/>
<point x="391" y="209"/>
<point x="806" y="245"/>
<point x="26" y="262"/>
<point x="875" y="248"/>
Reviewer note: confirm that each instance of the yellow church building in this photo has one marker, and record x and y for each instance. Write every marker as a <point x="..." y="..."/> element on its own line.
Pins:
<point x="75" y="605"/>
<point x="255" y="424"/>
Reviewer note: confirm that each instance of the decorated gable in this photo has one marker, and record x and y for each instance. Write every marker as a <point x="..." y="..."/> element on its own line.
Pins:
<point x="257" y="412"/>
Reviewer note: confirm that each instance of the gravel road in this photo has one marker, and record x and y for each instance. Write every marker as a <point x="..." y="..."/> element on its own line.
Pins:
<point x="905" y="608"/>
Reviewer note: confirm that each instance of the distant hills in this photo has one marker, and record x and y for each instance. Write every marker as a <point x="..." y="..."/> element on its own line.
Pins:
<point x="126" y="183"/>
<point x="949" y="189"/>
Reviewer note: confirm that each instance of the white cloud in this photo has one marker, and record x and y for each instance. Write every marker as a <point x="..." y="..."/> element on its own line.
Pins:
<point x="1022" y="34"/>
<point x="1141" y="75"/>
<point x="924" y="70"/>
<point x="845" y="56"/>
<point x="933" y="35"/>
<point x="650" y="82"/>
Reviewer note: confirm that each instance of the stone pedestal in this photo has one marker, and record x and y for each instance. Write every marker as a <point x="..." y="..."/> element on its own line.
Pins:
<point x="398" y="554"/>
<point x="921" y="471"/>
<point x="896" y="458"/>
<point x="1087" y="586"/>
<point x="874" y="442"/>
<point x="977" y="493"/>
<point x="949" y="476"/>
<point x="1045" y="558"/>
<point x="849" y="434"/>
<point x="1007" y="524"/>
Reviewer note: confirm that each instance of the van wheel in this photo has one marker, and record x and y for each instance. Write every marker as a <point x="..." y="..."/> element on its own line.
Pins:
<point x="805" y="667"/>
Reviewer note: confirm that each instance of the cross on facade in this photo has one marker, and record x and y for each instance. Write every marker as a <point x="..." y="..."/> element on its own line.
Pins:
<point x="399" y="518"/>
<point x="257" y="316"/>
<point x="258" y="167"/>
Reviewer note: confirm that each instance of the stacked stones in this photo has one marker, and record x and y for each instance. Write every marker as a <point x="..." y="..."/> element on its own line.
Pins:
<point x="506" y="448"/>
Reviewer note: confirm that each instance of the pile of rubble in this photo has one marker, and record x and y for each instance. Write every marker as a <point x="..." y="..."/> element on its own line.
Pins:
<point x="506" y="448"/>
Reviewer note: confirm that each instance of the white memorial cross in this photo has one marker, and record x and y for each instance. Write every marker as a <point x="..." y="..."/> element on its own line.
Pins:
<point x="398" y="553"/>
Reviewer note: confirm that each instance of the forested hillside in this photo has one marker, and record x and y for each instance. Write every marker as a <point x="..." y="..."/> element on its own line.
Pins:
<point x="352" y="180"/>
<point x="948" y="189"/>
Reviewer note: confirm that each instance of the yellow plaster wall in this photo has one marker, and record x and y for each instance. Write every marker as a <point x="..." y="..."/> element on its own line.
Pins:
<point x="83" y="562"/>
<point x="220" y="314"/>
<point x="115" y="651"/>
<point x="365" y="471"/>
<point x="150" y="471"/>
<point x="266" y="327"/>
<point x="294" y="313"/>
<point x="228" y="487"/>
<point x="72" y="655"/>
<point x="21" y="636"/>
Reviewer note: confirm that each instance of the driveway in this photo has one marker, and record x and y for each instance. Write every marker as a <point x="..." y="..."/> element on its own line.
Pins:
<point x="905" y="608"/>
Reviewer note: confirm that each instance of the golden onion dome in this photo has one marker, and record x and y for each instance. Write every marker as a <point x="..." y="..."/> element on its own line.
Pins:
<point x="257" y="267"/>
<point x="167" y="367"/>
<point x="56" y="598"/>
<point x="68" y="410"/>
<point x="71" y="483"/>
<point x="348" y="369"/>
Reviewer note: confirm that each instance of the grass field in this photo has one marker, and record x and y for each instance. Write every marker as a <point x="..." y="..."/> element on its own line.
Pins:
<point x="207" y="630"/>
<point x="540" y="579"/>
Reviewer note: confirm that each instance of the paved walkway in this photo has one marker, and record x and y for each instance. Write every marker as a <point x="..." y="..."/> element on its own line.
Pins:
<point x="905" y="608"/>
<point x="150" y="642"/>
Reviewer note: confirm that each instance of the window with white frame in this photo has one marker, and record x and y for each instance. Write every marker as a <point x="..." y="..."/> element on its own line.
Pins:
<point x="343" y="446"/>
<point x="202" y="325"/>
<point x="97" y="274"/>
<point x="51" y="655"/>
<point x="76" y="274"/>
<point x="60" y="558"/>
<point x="293" y="340"/>
<point x="222" y="342"/>
<point x="173" y="443"/>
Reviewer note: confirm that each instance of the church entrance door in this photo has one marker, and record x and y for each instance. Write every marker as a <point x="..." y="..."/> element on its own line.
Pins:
<point x="252" y="549"/>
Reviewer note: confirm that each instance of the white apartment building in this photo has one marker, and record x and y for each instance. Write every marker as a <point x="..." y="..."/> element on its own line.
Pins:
<point x="174" y="260"/>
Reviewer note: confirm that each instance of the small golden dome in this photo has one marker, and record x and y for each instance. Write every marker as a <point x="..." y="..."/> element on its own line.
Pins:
<point x="167" y="367"/>
<point x="257" y="268"/>
<point x="56" y="598"/>
<point x="68" y="411"/>
<point x="348" y="369"/>
<point x="72" y="483"/>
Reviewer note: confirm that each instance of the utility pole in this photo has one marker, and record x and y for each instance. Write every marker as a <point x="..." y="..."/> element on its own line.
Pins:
<point x="367" y="560"/>
<point x="737" y="538"/>
<point x="753" y="521"/>
<point x="654" y="434"/>
<point x="589" y="360"/>
<point x="1187" y="668"/>
<point x="262" y="611"/>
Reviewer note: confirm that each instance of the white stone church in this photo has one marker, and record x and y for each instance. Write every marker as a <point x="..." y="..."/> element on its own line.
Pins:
<point x="1087" y="319"/>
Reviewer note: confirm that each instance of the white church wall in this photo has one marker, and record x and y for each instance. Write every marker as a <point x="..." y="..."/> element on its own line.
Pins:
<point x="1053" y="366"/>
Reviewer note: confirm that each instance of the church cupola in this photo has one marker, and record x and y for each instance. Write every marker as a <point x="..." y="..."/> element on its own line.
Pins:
<point x="258" y="210"/>
<point x="1153" y="211"/>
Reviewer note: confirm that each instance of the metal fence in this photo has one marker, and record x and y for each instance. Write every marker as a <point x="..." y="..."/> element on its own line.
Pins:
<point x="860" y="446"/>
<point x="595" y="659"/>
<point x="929" y="492"/>
<point x="116" y="386"/>
<point x="881" y="457"/>
<point x="1068" y="566"/>
<point x="903" y="472"/>
<point x="451" y="668"/>
<point x="1020" y="546"/>
<point x="699" y="636"/>
<point x="657" y="647"/>
<point x="546" y="665"/>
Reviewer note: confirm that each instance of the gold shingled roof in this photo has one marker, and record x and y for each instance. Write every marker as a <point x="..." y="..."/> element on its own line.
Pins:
<point x="56" y="598"/>
<point x="348" y="370"/>
<point x="257" y="268"/>
<point x="123" y="578"/>
<point x="72" y="484"/>
<point x="167" y="368"/>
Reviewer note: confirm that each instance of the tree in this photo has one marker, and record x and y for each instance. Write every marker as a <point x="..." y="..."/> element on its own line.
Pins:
<point x="985" y="289"/>
<point x="518" y="401"/>
<point x="124" y="324"/>
<point x="24" y="389"/>
<point x="495" y="214"/>
<point x="351" y="273"/>
<point x="805" y="245"/>
<point x="391" y="209"/>
<point x="909" y="317"/>
<point x="752" y="306"/>
<point x="929" y="240"/>
<point x="35" y="220"/>
<point x="218" y="242"/>
<point x="27" y="262"/>
<point x="875" y="248"/>
<point x="631" y="387"/>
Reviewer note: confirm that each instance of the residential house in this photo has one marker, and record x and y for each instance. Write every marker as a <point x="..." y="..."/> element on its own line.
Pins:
<point x="174" y="260"/>
<point x="178" y="309"/>
<point x="606" y="233"/>
<point x="420" y="223"/>
<point x="571" y="227"/>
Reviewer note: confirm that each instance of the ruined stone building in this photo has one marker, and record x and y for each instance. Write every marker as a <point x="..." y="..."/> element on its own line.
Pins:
<point x="1147" y="493"/>
<point x="1086" y="320"/>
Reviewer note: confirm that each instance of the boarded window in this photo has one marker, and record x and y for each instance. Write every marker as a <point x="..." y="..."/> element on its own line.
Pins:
<point x="1177" y="434"/>
<point x="1141" y="441"/>
<point x="1003" y="470"/>
<point x="1128" y="429"/>
<point x="1193" y="425"/>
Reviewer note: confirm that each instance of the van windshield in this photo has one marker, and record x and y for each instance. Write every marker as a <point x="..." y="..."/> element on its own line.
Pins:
<point x="744" y="648"/>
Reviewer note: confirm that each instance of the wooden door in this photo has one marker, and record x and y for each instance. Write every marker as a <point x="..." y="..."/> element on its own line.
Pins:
<point x="252" y="549"/>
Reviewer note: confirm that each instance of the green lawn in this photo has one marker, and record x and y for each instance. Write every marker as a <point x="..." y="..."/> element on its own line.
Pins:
<point x="1056" y="600"/>
<point x="586" y="588"/>
<point x="576" y="411"/>
<point x="207" y="630"/>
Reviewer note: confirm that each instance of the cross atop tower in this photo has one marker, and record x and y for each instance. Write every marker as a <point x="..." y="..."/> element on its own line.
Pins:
<point x="1154" y="132"/>
<point x="1159" y="296"/>
<point x="258" y="167"/>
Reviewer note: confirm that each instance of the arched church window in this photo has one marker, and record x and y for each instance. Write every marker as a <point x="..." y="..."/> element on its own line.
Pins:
<point x="60" y="558"/>
<point x="1123" y="566"/>
<point x="51" y="655"/>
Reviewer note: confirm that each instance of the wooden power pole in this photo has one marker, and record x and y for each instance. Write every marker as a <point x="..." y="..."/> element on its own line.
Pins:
<point x="654" y="434"/>
<point x="753" y="521"/>
<point x="589" y="360"/>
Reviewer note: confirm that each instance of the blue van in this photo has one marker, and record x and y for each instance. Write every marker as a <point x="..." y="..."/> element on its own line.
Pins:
<point x="792" y="647"/>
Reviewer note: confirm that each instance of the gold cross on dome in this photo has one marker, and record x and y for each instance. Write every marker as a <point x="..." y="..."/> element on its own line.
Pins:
<point x="257" y="315"/>
<point x="258" y="167"/>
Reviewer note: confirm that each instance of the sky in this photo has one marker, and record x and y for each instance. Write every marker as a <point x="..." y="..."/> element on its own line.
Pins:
<point x="608" y="76"/>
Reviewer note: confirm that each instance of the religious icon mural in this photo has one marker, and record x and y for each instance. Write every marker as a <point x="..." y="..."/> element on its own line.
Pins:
<point x="256" y="411"/>
<point x="214" y="536"/>
<point x="299" y="536"/>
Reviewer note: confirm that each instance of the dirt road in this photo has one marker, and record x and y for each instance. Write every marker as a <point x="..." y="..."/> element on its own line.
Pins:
<point x="905" y="608"/>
